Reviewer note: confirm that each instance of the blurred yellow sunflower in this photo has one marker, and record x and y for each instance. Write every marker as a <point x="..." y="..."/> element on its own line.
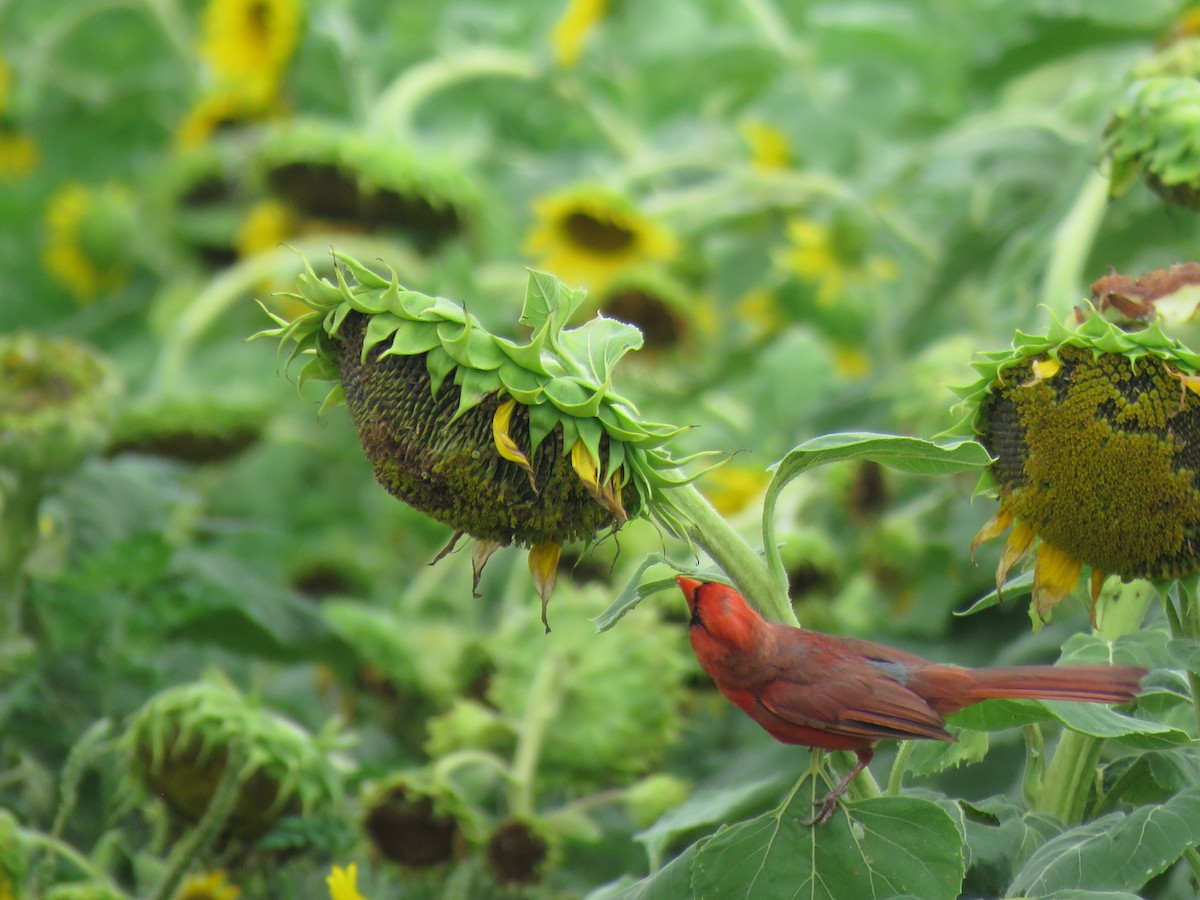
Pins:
<point x="343" y="883"/>
<point x="590" y="235"/>
<point x="19" y="153"/>
<point x="731" y="489"/>
<point x="84" y="249"/>
<point x="248" y="43"/>
<point x="210" y="886"/>
<point x="769" y="147"/>
<point x="833" y="257"/>
<point x="573" y="29"/>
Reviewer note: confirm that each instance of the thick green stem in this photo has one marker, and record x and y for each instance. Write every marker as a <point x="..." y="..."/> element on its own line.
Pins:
<point x="1071" y="244"/>
<point x="396" y="106"/>
<point x="745" y="568"/>
<point x="541" y="706"/>
<point x="1069" y="777"/>
<point x="59" y="848"/>
<point x="20" y="499"/>
<point x="1184" y="624"/>
<point x="200" y="838"/>
<point x="899" y="767"/>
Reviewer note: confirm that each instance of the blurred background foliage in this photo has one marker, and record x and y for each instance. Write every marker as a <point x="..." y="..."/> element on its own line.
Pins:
<point x="816" y="211"/>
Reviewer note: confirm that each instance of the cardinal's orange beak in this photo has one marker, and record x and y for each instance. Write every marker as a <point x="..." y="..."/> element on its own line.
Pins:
<point x="689" y="587"/>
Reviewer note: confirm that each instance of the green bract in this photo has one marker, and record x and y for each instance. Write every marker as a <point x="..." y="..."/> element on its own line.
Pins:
<point x="511" y="443"/>
<point x="1156" y="134"/>
<point x="177" y="746"/>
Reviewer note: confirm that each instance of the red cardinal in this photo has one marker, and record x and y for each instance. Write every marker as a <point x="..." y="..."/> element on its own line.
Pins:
<point x="835" y="693"/>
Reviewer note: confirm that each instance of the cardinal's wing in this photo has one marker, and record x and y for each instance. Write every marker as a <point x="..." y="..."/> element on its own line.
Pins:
<point x="866" y="700"/>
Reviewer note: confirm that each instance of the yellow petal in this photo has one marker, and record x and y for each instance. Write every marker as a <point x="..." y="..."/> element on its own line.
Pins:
<point x="607" y="495"/>
<point x="992" y="528"/>
<point x="1015" y="548"/>
<point x="505" y="445"/>
<point x="1054" y="576"/>
<point x="585" y="466"/>
<point x="343" y="883"/>
<point x="543" y="565"/>
<point x="1043" y="370"/>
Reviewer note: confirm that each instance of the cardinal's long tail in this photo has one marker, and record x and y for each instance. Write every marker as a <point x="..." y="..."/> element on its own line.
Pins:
<point x="1088" y="684"/>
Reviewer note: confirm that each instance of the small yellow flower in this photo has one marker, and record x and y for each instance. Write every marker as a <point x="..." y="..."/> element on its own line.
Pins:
<point x="834" y="258"/>
<point x="71" y="255"/>
<point x="850" y="362"/>
<point x="769" y="147"/>
<point x="573" y="29"/>
<point x="589" y="236"/>
<point x="211" y="886"/>
<point x="731" y="489"/>
<point x="248" y="43"/>
<point x="266" y="226"/>
<point x="19" y="153"/>
<point x="343" y="883"/>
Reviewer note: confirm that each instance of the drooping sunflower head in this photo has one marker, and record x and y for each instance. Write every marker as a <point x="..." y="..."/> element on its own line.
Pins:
<point x="1096" y="436"/>
<point x="663" y="310"/>
<point x="90" y="232"/>
<point x="178" y="744"/>
<point x="521" y="852"/>
<point x="511" y="443"/>
<point x="356" y="181"/>
<point x="1152" y="135"/>
<point x="411" y="824"/>
<point x="192" y="430"/>
<point x="57" y="403"/>
<point x="588" y="235"/>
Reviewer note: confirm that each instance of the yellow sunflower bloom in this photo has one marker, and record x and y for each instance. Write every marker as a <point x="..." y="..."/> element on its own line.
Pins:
<point x="248" y="43"/>
<point x="82" y="249"/>
<point x="210" y="886"/>
<point x="833" y="258"/>
<point x="573" y="29"/>
<point x="589" y="236"/>
<point x="343" y="883"/>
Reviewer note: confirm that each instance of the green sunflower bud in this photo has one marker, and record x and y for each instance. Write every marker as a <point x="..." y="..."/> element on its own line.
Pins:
<point x="57" y="401"/>
<point x="355" y="180"/>
<point x="408" y="825"/>
<point x="1154" y="136"/>
<point x="523" y="444"/>
<point x="1095" y="433"/>
<point x="648" y="799"/>
<point x="178" y="743"/>
<point x="521" y="852"/>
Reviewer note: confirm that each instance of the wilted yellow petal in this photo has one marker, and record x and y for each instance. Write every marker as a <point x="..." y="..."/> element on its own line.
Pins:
<point x="1186" y="383"/>
<point x="480" y="554"/>
<point x="992" y="528"/>
<point x="505" y="445"/>
<point x="607" y="495"/>
<point x="1043" y="370"/>
<point x="1054" y="576"/>
<point x="1015" y="548"/>
<point x="543" y="565"/>
<point x="585" y="466"/>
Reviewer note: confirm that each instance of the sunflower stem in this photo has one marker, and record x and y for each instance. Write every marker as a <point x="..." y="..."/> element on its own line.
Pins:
<point x="202" y="836"/>
<point x="899" y="767"/>
<point x="396" y="107"/>
<point x="747" y="569"/>
<point x="1069" y="777"/>
<point x="545" y="697"/>
<point x="1072" y="242"/>
<point x="20" y="498"/>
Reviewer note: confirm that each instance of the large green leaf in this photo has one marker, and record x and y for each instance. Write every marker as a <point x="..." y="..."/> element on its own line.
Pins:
<point x="906" y="454"/>
<point x="879" y="848"/>
<point x="1117" y="852"/>
<point x="671" y="882"/>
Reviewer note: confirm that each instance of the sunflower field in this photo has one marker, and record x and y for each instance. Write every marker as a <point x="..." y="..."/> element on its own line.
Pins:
<point x="371" y="371"/>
